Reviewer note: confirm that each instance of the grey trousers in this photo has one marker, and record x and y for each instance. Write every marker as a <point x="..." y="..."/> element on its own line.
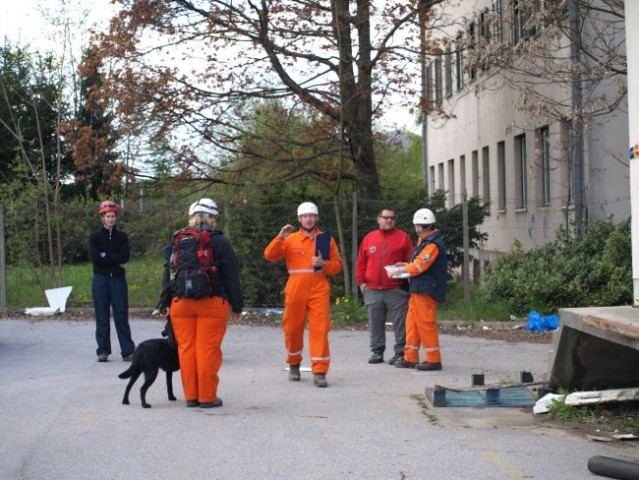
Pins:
<point x="380" y="304"/>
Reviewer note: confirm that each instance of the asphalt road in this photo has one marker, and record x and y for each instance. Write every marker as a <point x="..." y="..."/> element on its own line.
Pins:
<point x="61" y="415"/>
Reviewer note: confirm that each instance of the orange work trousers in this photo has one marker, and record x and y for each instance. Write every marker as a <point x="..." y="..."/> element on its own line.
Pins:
<point x="199" y="327"/>
<point x="307" y="295"/>
<point x="421" y="329"/>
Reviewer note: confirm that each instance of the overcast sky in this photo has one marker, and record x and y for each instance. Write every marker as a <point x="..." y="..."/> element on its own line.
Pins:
<point x="25" y="22"/>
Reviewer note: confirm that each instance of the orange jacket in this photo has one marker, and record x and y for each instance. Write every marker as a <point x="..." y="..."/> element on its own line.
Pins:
<point x="297" y="249"/>
<point x="424" y="260"/>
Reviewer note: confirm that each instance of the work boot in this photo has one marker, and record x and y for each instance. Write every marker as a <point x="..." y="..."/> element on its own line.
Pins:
<point x="396" y="357"/>
<point x="428" y="367"/>
<point x="376" y="357"/>
<point x="215" y="403"/>
<point x="403" y="363"/>
<point x="319" y="379"/>
<point x="294" y="373"/>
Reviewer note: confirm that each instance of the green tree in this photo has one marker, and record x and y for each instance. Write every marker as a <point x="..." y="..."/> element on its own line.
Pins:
<point x="32" y="163"/>
<point x="31" y="106"/>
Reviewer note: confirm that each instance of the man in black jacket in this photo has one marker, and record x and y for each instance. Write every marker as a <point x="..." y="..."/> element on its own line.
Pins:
<point x="109" y="250"/>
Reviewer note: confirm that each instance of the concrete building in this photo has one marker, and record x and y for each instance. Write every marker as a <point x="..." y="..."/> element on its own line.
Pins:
<point x="511" y="116"/>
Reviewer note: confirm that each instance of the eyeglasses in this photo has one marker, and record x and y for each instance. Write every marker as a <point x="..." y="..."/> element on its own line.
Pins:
<point x="387" y="217"/>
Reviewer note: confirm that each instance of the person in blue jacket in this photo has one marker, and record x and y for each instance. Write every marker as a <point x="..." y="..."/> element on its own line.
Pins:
<point x="109" y="252"/>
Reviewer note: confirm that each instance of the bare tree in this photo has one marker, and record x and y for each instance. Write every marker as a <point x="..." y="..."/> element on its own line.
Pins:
<point x="192" y="66"/>
<point x="565" y="58"/>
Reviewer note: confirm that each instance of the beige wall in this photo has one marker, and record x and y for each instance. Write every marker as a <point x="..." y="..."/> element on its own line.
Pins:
<point x="484" y="114"/>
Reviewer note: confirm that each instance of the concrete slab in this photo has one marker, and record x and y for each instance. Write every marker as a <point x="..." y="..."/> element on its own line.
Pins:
<point x="595" y="349"/>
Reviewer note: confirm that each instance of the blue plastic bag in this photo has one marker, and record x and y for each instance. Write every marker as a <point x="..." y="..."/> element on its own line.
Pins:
<point x="541" y="323"/>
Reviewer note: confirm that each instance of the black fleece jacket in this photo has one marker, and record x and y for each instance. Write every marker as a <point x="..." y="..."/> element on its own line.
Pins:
<point x="115" y="245"/>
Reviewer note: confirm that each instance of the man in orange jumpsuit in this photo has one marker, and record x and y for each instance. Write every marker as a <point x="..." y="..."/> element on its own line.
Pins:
<point x="307" y="292"/>
<point x="428" y="277"/>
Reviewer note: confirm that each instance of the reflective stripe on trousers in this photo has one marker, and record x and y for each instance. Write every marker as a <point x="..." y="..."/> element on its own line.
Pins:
<point x="307" y="296"/>
<point x="199" y="327"/>
<point x="421" y="329"/>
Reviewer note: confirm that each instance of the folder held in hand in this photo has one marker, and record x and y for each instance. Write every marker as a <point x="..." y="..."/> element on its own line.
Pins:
<point x="323" y="246"/>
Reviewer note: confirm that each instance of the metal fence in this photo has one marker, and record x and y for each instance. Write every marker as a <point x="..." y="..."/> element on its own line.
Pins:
<point x="250" y="228"/>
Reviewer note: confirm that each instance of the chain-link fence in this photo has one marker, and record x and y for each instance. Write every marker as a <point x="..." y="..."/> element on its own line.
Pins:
<point x="471" y="239"/>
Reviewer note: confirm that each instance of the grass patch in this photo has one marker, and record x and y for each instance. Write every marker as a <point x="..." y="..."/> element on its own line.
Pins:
<point x="479" y="309"/>
<point x="619" y="417"/>
<point x="423" y="404"/>
<point x="25" y="286"/>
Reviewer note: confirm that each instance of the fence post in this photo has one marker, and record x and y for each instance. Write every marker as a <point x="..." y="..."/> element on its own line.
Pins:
<point x="354" y="247"/>
<point x="3" y="262"/>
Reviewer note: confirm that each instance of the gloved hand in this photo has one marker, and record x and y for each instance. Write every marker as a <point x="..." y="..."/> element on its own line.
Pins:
<point x="102" y="254"/>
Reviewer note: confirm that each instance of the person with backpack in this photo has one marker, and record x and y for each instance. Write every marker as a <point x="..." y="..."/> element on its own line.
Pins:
<point x="200" y="289"/>
<point x="109" y="253"/>
<point x="307" y="292"/>
<point x="428" y="271"/>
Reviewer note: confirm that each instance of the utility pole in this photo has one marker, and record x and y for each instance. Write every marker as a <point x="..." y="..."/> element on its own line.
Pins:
<point x="576" y="125"/>
<point x="424" y="98"/>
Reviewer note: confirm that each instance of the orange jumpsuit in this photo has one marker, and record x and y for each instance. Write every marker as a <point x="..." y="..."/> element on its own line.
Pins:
<point x="199" y="327"/>
<point x="421" y="329"/>
<point x="307" y="293"/>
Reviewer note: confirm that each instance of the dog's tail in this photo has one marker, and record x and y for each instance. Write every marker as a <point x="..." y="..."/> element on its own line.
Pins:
<point x="127" y="373"/>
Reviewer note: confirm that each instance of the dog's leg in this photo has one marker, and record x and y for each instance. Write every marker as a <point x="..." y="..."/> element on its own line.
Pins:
<point x="134" y="377"/>
<point x="149" y="377"/>
<point x="169" y="385"/>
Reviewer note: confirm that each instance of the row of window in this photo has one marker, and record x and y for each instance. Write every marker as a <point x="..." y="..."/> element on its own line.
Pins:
<point x="442" y="175"/>
<point x="488" y="28"/>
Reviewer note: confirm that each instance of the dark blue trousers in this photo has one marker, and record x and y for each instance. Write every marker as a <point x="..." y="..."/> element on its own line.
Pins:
<point x="111" y="291"/>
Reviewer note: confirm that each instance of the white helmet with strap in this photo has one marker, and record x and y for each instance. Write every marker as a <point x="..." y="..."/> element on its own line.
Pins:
<point x="204" y="205"/>
<point x="307" y="207"/>
<point x="423" y="216"/>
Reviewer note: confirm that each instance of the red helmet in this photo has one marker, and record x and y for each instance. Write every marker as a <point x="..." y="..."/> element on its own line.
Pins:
<point x="108" y="206"/>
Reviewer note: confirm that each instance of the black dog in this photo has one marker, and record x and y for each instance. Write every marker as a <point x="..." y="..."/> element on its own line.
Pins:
<point x="148" y="358"/>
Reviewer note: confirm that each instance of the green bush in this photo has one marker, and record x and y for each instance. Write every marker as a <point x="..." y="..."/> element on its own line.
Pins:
<point x="593" y="270"/>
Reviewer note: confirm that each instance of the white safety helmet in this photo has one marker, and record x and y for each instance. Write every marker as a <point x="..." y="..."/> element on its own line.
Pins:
<point x="307" y="207"/>
<point x="204" y="205"/>
<point x="423" y="216"/>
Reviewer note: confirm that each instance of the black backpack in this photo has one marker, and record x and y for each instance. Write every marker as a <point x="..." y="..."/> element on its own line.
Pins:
<point x="194" y="271"/>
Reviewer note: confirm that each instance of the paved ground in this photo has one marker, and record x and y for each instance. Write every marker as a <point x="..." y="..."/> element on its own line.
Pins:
<point x="61" y="416"/>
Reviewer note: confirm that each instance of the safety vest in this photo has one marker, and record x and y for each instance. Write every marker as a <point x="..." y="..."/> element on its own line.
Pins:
<point x="434" y="280"/>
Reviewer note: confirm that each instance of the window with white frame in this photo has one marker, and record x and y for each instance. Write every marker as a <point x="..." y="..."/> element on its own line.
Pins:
<point x="521" y="172"/>
<point x="475" y="173"/>
<point x="497" y="22"/>
<point x="429" y="83"/>
<point x="459" y="63"/>
<point x="439" y="84"/>
<point x="521" y="14"/>
<point x="432" y="184"/>
<point x="501" y="176"/>
<point x="451" y="182"/>
<point x="543" y="140"/>
<point x="470" y="34"/>
<point x="485" y="174"/>
<point x="448" y="67"/>
<point x="462" y="174"/>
